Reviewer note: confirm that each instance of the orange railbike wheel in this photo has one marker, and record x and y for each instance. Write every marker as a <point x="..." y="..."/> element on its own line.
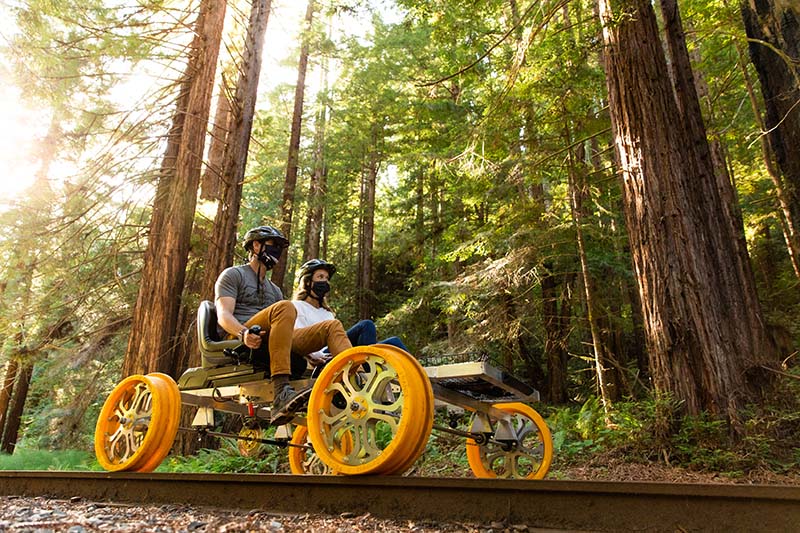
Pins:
<point x="172" y="418"/>
<point x="303" y="459"/>
<point x="131" y="423"/>
<point x="528" y="456"/>
<point x="425" y="426"/>
<point x="372" y="398"/>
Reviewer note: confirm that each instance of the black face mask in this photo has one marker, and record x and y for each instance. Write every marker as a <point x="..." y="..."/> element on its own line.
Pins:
<point x="269" y="255"/>
<point x="321" y="288"/>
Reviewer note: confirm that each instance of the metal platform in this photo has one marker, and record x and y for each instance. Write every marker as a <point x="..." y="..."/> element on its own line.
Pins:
<point x="481" y="381"/>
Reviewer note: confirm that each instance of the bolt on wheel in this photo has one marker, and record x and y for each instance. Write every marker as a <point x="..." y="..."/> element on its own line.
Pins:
<point x="370" y="397"/>
<point x="135" y="428"/>
<point x="527" y="456"/>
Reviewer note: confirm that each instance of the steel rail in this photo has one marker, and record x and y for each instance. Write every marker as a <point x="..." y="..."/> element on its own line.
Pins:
<point x="571" y="505"/>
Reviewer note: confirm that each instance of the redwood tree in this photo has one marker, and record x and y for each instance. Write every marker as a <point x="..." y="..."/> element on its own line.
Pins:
<point x="773" y="31"/>
<point x="705" y="332"/>
<point x="290" y="183"/>
<point x="155" y="317"/>
<point x="231" y="140"/>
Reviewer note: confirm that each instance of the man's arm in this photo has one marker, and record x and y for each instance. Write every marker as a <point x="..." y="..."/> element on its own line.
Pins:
<point x="225" y="306"/>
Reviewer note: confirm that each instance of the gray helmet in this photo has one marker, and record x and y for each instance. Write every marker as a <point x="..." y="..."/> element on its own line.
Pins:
<point x="263" y="233"/>
<point x="311" y="265"/>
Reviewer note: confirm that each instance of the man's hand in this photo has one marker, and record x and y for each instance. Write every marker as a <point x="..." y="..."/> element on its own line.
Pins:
<point x="253" y="340"/>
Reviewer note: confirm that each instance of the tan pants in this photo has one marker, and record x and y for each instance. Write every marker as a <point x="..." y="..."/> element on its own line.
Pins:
<point x="278" y="321"/>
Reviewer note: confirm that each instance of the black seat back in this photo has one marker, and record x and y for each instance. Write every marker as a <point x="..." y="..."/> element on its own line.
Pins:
<point x="212" y="348"/>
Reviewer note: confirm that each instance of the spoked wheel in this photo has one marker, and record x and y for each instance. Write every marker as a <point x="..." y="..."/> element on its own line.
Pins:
<point x="138" y="423"/>
<point x="303" y="460"/>
<point x="248" y="447"/>
<point x="527" y="456"/>
<point x="413" y="365"/>
<point x="370" y="411"/>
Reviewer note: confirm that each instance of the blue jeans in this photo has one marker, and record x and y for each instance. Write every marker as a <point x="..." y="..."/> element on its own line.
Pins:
<point x="363" y="333"/>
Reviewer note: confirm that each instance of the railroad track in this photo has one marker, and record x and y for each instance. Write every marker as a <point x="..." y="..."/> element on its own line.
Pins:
<point x="571" y="505"/>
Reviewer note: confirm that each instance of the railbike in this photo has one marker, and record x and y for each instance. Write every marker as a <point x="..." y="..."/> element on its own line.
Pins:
<point x="370" y="411"/>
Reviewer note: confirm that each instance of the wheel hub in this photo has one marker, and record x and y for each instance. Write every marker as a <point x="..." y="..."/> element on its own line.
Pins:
<point x="359" y="407"/>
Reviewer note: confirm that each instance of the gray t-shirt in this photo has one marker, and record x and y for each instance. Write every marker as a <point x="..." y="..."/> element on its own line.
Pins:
<point x="241" y="283"/>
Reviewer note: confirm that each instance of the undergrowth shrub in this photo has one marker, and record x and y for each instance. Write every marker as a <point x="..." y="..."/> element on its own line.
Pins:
<point x="33" y="459"/>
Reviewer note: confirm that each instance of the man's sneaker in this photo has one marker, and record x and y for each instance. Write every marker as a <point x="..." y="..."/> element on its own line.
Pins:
<point x="287" y="401"/>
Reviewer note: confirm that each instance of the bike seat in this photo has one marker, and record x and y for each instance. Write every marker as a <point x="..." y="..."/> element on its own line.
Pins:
<point x="212" y="347"/>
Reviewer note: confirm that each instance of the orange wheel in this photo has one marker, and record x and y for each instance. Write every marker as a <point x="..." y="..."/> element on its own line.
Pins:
<point x="172" y="418"/>
<point x="303" y="460"/>
<point x="131" y="423"/>
<point x="373" y="398"/>
<point x="426" y="426"/>
<point x="528" y="456"/>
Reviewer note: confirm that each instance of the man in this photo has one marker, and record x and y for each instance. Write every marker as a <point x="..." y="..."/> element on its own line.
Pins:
<point x="244" y="298"/>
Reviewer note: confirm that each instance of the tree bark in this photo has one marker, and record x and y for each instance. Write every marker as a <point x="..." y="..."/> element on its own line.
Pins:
<point x="212" y="175"/>
<point x="789" y="216"/>
<point x="318" y="186"/>
<point x="366" y="231"/>
<point x="773" y="31"/>
<point x="7" y="390"/>
<point x="223" y="239"/>
<point x="14" y="419"/>
<point x="290" y="183"/>
<point x="151" y="345"/>
<point x="556" y="322"/>
<point x="222" y="242"/>
<point x="605" y="384"/>
<point x="419" y="211"/>
<point x="704" y="328"/>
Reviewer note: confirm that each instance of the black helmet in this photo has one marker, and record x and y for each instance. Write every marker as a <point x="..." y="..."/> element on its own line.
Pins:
<point x="262" y="233"/>
<point x="311" y="265"/>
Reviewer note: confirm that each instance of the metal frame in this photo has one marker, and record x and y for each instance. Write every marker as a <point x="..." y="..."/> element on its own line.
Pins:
<point x="454" y="383"/>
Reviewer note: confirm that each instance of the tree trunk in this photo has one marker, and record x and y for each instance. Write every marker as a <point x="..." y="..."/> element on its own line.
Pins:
<point x="717" y="183"/>
<point x="318" y="186"/>
<point x="11" y="429"/>
<point x="222" y="243"/>
<point x="155" y="319"/>
<point x="605" y="384"/>
<point x="773" y="31"/>
<point x="223" y="240"/>
<point x="290" y="184"/>
<point x="789" y="216"/>
<point x="366" y="231"/>
<point x="704" y="328"/>
<point x="555" y="348"/>
<point x="7" y="390"/>
<point x="419" y="212"/>
<point x="212" y="175"/>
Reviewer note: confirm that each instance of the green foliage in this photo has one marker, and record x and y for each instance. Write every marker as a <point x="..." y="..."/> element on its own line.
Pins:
<point x="34" y="459"/>
<point x="702" y="443"/>
<point x="227" y="460"/>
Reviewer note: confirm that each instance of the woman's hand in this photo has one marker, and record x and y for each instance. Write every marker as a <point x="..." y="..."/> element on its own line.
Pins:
<point x="317" y="359"/>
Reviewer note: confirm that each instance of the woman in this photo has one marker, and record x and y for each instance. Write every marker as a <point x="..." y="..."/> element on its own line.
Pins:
<point x="311" y="301"/>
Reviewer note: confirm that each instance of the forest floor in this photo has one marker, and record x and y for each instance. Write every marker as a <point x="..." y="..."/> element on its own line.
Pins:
<point x="608" y="467"/>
